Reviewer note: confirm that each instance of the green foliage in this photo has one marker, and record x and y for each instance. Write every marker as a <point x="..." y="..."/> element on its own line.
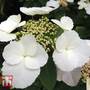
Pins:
<point x="63" y="86"/>
<point x="31" y="3"/>
<point x="2" y="2"/>
<point x="83" y="32"/>
<point x="48" y="75"/>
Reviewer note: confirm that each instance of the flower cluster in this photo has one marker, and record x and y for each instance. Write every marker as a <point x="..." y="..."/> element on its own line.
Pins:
<point x="37" y="38"/>
<point x="23" y="60"/>
<point x="85" y="72"/>
<point x="44" y="31"/>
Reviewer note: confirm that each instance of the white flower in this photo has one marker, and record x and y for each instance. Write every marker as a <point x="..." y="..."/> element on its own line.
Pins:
<point x="71" y="51"/>
<point x="66" y="23"/>
<point x="23" y="60"/>
<point x="50" y="6"/>
<point x="70" y="78"/>
<point x="7" y="26"/>
<point x="84" y="4"/>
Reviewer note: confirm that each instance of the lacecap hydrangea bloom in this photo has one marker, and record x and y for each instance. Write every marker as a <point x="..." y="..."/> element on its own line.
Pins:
<point x="23" y="60"/>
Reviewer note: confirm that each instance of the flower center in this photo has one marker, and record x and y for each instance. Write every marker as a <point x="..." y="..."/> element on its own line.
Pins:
<point x="25" y="55"/>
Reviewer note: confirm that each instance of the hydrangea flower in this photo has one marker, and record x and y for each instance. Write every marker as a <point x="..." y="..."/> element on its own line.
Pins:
<point x="50" y="6"/>
<point x="71" y="51"/>
<point x="7" y="26"/>
<point x="84" y="4"/>
<point x="23" y="60"/>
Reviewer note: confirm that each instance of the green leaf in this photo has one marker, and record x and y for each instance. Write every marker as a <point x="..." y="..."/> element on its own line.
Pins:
<point x="63" y="86"/>
<point x="48" y="75"/>
<point x="2" y="2"/>
<point x="32" y="88"/>
<point x="83" y="32"/>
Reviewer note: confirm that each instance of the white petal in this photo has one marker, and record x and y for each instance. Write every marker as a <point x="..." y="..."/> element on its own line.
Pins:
<point x="65" y="23"/>
<point x="5" y="37"/>
<point x="62" y="62"/>
<point x="83" y="53"/>
<point x="56" y="22"/>
<point x="10" y="24"/>
<point x="82" y="4"/>
<point x="88" y="9"/>
<point x="22" y="77"/>
<point x="30" y="45"/>
<point x="26" y="11"/>
<point x="52" y="3"/>
<point x="70" y="78"/>
<point x="15" y="18"/>
<point x="45" y="10"/>
<point x="22" y="23"/>
<point x="36" y="10"/>
<point x="13" y="53"/>
<point x="69" y="39"/>
<point x="37" y="61"/>
<point x="88" y="42"/>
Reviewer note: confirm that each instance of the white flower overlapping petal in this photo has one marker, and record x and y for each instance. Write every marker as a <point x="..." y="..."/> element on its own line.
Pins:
<point x="23" y="60"/>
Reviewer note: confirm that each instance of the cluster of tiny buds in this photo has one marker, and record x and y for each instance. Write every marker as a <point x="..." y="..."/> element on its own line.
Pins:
<point x="44" y="31"/>
<point x="85" y="72"/>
